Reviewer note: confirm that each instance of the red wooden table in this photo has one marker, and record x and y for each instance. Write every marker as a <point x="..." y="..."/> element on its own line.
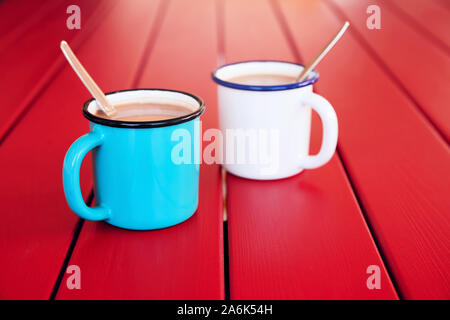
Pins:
<point x="383" y="200"/>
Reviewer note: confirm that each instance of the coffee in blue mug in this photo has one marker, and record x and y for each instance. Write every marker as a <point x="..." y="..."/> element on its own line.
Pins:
<point x="139" y="182"/>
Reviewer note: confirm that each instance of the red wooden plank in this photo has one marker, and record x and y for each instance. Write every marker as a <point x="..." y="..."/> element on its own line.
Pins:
<point x="426" y="17"/>
<point x="25" y="17"/>
<point x="443" y="3"/>
<point x="14" y="12"/>
<point x="398" y="165"/>
<point x="30" y="65"/>
<point x="37" y="226"/>
<point x="184" y="261"/>
<point x="298" y="238"/>
<point x="417" y="64"/>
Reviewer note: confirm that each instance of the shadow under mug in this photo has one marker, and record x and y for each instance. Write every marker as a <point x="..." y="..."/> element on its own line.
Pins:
<point x="266" y="128"/>
<point x="136" y="181"/>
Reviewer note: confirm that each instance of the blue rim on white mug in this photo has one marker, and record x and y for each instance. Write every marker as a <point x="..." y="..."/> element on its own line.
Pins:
<point x="248" y="108"/>
<point x="309" y="81"/>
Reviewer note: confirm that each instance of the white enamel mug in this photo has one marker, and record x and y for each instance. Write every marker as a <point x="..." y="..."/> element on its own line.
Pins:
<point x="266" y="129"/>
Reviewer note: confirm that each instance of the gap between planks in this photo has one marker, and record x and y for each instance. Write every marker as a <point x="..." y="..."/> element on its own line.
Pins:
<point x="289" y="36"/>
<point x="154" y="31"/>
<point x="369" y="227"/>
<point x="29" y="24"/>
<point x="379" y="61"/>
<point x="76" y="234"/>
<point x="220" y="29"/>
<point x="411" y="21"/>
<point x="151" y="39"/>
<point x="27" y="103"/>
<point x="443" y="3"/>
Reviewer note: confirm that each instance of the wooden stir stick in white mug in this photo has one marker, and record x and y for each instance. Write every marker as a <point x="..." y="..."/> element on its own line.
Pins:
<point x="88" y="82"/>
<point x="322" y="53"/>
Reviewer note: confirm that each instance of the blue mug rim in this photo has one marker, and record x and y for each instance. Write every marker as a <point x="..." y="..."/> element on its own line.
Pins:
<point x="289" y="86"/>
<point x="145" y="124"/>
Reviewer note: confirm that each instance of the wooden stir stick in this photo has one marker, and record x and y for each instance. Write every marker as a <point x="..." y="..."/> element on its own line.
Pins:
<point x="88" y="82"/>
<point x="322" y="53"/>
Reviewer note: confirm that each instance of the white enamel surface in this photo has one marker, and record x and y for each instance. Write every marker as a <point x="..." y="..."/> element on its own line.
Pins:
<point x="286" y="111"/>
<point x="255" y="67"/>
<point x="146" y="96"/>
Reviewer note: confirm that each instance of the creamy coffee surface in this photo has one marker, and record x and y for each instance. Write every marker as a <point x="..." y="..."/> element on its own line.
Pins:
<point x="263" y="79"/>
<point x="149" y="111"/>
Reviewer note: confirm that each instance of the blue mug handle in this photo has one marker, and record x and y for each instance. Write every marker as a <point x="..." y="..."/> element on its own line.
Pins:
<point x="71" y="177"/>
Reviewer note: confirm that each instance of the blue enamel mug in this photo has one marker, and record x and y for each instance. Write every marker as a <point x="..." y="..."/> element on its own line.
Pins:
<point x="139" y="182"/>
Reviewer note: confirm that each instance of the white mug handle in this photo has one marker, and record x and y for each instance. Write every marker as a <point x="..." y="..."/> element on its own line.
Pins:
<point x="330" y="131"/>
